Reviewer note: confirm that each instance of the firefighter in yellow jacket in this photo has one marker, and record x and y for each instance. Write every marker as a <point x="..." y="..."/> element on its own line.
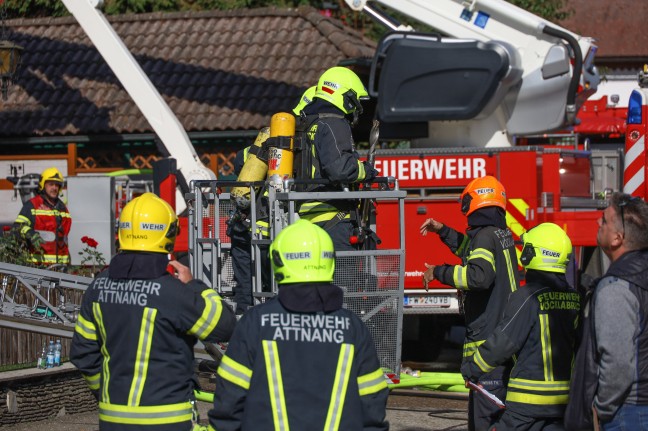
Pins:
<point x="138" y="324"/>
<point x="300" y="361"/>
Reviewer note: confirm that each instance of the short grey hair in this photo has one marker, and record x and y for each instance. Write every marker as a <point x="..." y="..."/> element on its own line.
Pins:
<point x="634" y="224"/>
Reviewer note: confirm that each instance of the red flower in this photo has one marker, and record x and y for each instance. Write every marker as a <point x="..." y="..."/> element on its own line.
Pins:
<point x="91" y="242"/>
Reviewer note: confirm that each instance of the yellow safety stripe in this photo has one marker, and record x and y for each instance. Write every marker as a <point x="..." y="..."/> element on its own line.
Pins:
<point x="140" y="368"/>
<point x="318" y="217"/>
<point x="514" y="225"/>
<point x="372" y="383"/>
<point x="340" y="386"/>
<point x="23" y="220"/>
<point x="362" y="174"/>
<point x="93" y="381"/>
<point x="263" y="228"/>
<point x="519" y="397"/>
<point x="275" y="386"/>
<point x="539" y="385"/>
<point x="464" y="243"/>
<point x="54" y="213"/>
<point x="469" y="349"/>
<point x="210" y="315"/>
<point x="483" y="365"/>
<point x="460" y="273"/>
<point x="316" y="206"/>
<point x="50" y="258"/>
<point x="545" y="337"/>
<point x="234" y="372"/>
<point x="509" y="269"/>
<point x="460" y="277"/>
<point x="98" y="317"/>
<point x="519" y="205"/>
<point x="482" y="253"/>
<point x="145" y="415"/>
<point x="85" y="328"/>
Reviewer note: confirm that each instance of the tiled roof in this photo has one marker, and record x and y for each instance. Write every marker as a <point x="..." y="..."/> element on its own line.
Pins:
<point x="218" y="71"/>
<point x="619" y="26"/>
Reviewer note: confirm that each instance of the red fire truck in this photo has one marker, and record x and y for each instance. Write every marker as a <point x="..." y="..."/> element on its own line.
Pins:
<point x="465" y="120"/>
<point x="543" y="183"/>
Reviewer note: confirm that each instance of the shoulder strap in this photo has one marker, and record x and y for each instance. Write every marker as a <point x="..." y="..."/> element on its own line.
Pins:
<point x="302" y="148"/>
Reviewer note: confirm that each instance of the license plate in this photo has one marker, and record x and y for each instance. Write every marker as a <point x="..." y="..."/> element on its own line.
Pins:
<point x="427" y="301"/>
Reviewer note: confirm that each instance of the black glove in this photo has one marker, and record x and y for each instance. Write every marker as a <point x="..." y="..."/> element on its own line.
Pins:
<point x="370" y="171"/>
<point x="470" y="371"/>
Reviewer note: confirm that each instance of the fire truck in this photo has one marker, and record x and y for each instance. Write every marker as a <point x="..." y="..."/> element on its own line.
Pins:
<point x="465" y="99"/>
<point x="498" y="97"/>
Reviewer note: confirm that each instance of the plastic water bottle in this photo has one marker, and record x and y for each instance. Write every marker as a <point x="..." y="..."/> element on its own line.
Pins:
<point x="41" y="363"/>
<point x="57" y="353"/>
<point x="50" y="354"/>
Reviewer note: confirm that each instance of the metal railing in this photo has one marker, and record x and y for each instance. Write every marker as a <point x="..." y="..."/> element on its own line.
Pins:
<point x="40" y="300"/>
<point x="372" y="280"/>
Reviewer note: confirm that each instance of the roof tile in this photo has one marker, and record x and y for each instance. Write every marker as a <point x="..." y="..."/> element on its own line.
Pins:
<point x="217" y="70"/>
<point x="618" y="26"/>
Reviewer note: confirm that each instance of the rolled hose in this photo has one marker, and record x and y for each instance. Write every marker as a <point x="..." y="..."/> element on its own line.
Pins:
<point x="443" y="382"/>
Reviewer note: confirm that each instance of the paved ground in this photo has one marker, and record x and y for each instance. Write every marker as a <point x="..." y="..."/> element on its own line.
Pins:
<point x="407" y="410"/>
<point x="405" y="413"/>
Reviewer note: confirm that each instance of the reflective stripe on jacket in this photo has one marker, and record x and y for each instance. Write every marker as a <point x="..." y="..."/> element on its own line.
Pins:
<point x="134" y="338"/>
<point x="335" y="159"/>
<point x="299" y="371"/>
<point x="487" y="276"/>
<point x="538" y="330"/>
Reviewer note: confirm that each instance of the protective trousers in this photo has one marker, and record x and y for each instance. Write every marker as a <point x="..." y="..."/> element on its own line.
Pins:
<point x="482" y="413"/>
<point x="512" y="421"/>
<point x="242" y="265"/>
<point x="241" y="253"/>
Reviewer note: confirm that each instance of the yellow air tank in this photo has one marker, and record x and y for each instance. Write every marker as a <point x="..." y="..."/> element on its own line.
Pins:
<point x="280" y="154"/>
<point x="254" y="169"/>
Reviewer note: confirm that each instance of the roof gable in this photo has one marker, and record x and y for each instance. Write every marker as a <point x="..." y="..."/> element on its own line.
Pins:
<point x="217" y="70"/>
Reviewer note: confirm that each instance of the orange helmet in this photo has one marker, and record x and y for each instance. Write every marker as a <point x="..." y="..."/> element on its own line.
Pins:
<point x="483" y="192"/>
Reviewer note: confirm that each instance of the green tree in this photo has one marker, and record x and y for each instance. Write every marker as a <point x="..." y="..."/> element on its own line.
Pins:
<point x="553" y="10"/>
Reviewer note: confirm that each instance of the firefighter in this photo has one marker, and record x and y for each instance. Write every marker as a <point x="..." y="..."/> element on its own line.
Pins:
<point x="239" y="228"/>
<point x="134" y="337"/>
<point x="334" y="110"/>
<point x="44" y="222"/>
<point x="485" y="278"/>
<point x="300" y="361"/>
<point x="538" y="329"/>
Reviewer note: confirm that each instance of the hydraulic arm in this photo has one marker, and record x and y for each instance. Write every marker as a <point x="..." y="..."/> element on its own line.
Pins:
<point x="147" y="98"/>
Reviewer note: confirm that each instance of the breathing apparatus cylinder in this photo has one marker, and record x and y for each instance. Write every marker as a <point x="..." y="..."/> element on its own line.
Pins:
<point x="255" y="168"/>
<point x="280" y="153"/>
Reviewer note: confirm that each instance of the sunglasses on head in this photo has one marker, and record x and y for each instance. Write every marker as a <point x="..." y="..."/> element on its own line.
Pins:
<point x="622" y="205"/>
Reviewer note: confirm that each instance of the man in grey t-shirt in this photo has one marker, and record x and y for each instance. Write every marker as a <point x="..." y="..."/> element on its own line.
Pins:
<point x="620" y="308"/>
